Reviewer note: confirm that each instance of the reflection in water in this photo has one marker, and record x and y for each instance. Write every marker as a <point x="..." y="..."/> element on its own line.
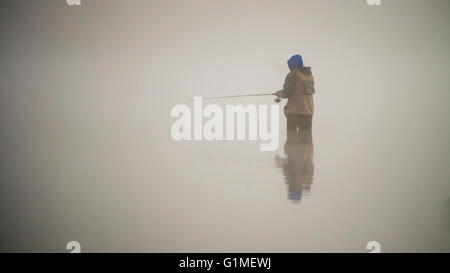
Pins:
<point x="297" y="166"/>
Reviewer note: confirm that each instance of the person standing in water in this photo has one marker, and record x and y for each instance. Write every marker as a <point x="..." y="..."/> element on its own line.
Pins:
<point x="298" y="165"/>
<point x="298" y="88"/>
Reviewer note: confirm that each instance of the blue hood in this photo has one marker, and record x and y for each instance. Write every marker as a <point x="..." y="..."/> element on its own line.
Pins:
<point x="295" y="61"/>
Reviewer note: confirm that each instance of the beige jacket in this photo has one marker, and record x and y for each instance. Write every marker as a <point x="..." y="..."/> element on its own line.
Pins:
<point x="295" y="89"/>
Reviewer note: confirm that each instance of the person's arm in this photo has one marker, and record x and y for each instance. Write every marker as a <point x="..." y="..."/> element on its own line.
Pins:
<point x="288" y="87"/>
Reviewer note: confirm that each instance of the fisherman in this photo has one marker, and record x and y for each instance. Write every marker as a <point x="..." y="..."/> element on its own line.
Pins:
<point x="298" y="88"/>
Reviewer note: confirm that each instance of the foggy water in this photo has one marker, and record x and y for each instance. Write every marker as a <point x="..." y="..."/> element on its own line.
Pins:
<point x="86" y="151"/>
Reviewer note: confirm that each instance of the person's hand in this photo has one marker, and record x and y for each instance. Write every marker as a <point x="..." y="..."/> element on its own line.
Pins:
<point x="277" y="94"/>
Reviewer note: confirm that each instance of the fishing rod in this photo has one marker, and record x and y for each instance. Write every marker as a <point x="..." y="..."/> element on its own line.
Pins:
<point x="239" y="96"/>
<point x="277" y="100"/>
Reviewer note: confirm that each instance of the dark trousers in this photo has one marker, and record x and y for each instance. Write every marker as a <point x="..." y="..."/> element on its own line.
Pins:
<point x="299" y="130"/>
<point x="299" y="122"/>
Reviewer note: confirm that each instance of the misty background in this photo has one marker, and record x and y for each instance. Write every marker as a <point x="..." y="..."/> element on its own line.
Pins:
<point x="86" y="152"/>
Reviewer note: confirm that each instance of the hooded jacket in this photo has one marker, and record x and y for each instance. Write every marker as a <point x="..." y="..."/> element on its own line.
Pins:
<point x="298" y="89"/>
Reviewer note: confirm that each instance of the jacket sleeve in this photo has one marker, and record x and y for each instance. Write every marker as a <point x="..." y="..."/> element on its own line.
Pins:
<point x="288" y="87"/>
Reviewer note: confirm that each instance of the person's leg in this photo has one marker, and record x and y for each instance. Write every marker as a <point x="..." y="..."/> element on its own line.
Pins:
<point x="305" y="123"/>
<point x="305" y="131"/>
<point x="291" y="123"/>
<point x="292" y="133"/>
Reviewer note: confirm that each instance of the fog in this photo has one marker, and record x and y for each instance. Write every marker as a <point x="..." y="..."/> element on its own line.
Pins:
<point x="87" y="155"/>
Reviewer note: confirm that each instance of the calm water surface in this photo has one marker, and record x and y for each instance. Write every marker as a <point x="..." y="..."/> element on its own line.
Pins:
<point x="334" y="190"/>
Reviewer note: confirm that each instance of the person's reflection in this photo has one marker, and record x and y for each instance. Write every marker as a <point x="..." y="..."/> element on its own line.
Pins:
<point x="298" y="166"/>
